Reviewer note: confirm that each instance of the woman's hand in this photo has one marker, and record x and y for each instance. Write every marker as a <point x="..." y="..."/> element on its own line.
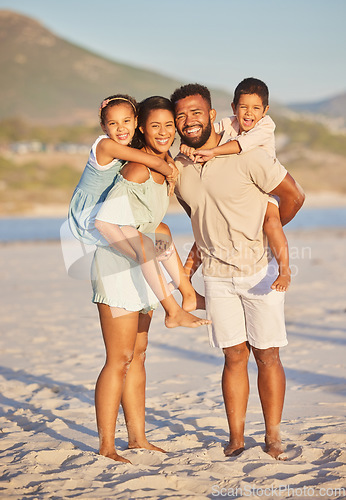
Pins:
<point x="172" y="179"/>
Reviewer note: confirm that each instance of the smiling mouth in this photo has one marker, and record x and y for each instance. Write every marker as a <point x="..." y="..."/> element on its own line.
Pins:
<point x="248" y="121"/>
<point x="192" y="130"/>
<point x="162" y="142"/>
<point x="123" y="137"/>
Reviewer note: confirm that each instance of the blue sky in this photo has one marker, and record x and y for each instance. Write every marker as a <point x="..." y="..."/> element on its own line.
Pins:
<point x="296" y="46"/>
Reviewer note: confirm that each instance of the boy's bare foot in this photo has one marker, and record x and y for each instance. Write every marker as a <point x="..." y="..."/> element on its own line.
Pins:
<point x="146" y="446"/>
<point x="114" y="456"/>
<point x="193" y="302"/>
<point x="274" y="449"/>
<point x="282" y="283"/>
<point x="234" y="449"/>
<point x="183" y="318"/>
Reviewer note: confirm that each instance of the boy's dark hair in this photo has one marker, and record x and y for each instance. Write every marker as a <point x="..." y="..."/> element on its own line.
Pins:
<point x="144" y="109"/>
<point x="252" y="86"/>
<point x="189" y="90"/>
<point x="115" y="100"/>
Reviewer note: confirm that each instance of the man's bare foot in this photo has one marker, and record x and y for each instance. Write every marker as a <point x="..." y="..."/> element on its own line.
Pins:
<point x="183" y="318"/>
<point x="114" y="456"/>
<point x="274" y="449"/>
<point x="282" y="283"/>
<point x="234" y="449"/>
<point x="193" y="302"/>
<point x="146" y="446"/>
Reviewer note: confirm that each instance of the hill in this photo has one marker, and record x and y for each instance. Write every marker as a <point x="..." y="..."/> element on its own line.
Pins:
<point x="334" y="107"/>
<point x="45" y="79"/>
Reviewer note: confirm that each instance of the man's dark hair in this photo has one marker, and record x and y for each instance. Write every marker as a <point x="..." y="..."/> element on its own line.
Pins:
<point x="190" y="90"/>
<point x="252" y="86"/>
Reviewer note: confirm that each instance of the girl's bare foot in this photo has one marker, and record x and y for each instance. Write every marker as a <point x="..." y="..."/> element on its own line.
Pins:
<point x="234" y="449"/>
<point x="193" y="302"/>
<point x="114" y="456"/>
<point x="146" y="446"/>
<point x="183" y="318"/>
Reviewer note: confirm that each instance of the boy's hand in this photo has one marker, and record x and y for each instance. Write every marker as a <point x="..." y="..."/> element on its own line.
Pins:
<point x="203" y="155"/>
<point x="187" y="151"/>
<point x="172" y="179"/>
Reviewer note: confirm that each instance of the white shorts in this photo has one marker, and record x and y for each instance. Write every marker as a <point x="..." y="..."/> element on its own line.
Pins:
<point x="246" y="309"/>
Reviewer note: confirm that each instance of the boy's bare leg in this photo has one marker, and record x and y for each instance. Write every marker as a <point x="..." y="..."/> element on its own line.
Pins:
<point x="235" y="388"/>
<point x="133" y="396"/>
<point x="119" y="334"/>
<point x="271" y="388"/>
<point x="278" y="245"/>
<point x="145" y="250"/>
<point x="191" y="299"/>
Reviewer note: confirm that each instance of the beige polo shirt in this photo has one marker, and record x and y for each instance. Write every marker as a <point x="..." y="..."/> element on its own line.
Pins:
<point x="228" y="200"/>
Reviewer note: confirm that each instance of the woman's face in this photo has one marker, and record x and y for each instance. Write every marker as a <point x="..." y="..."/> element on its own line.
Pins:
<point x="159" y="131"/>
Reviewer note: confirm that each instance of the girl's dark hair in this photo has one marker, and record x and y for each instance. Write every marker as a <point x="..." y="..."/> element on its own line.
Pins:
<point x="116" y="100"/>
<point x="144" y="109"/>
<point x="252" y="86"/>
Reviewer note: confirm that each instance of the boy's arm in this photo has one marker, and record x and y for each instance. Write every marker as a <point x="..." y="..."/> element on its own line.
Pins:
<point x="291" y="198"/>
<point x="114" y="150"/>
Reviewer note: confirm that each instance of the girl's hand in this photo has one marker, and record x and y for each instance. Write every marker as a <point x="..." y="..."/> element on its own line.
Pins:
<point x="187" y="151"/>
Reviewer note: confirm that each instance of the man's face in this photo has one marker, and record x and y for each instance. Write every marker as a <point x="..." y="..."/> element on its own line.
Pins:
<point x="193" y="120"/>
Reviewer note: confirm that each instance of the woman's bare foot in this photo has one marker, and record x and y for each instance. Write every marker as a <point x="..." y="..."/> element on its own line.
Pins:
<point x="282" y="282"/>
<point x="183" y="318"/>
<point x="274" y="448"/>
<point x="114" y="456"/>
<point x="146" y="446"/>
<point x="193" y="302"/>
<point x="234" y="449"/>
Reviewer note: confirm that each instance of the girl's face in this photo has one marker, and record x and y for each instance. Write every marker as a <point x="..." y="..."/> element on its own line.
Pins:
<point x="159" y="131"/>
<point x="120" y="123"/>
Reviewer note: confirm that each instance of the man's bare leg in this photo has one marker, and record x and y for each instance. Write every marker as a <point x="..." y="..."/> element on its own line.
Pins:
<point x="133" y="397"/>
<point x="271" y="388"/>
<point x="235" y="388"/>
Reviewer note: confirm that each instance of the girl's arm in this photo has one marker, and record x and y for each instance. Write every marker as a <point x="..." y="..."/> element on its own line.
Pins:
<point x="107" y="150"/>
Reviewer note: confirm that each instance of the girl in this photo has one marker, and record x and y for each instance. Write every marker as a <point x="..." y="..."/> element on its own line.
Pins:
<point x="135" y="205"/>
<point x="118" y="119"/>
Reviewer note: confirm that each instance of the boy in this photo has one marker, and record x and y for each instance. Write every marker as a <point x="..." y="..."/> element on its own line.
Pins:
<point x="249" y="128"/>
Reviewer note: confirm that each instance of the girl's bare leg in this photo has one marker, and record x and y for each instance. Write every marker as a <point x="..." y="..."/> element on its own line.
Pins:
<point x="278" y="245"/>
<point x="119" y="334"/>
<point x="191" y="299"/>
<point x="145" y="250"/>
<point x="133" y="397"/>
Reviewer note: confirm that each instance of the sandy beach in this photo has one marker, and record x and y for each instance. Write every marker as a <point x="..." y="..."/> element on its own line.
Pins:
<point x="51" y="352"/>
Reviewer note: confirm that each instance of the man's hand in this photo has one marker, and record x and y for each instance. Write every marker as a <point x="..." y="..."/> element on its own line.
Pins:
<point x="291" y="198"/>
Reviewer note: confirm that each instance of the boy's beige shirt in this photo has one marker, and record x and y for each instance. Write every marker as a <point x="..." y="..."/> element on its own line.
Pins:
<point x="228" y="200"/>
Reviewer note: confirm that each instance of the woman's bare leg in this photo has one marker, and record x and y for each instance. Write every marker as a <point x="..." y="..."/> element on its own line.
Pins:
<point x="133" y="398"/>
<point x="191" y="299"/>
<point x="119" y="334"/>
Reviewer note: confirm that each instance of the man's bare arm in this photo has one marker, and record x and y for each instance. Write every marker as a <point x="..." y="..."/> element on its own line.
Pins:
<point x="291" y="198"/>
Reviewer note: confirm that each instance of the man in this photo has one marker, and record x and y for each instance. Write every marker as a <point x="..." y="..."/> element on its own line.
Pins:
<point x="226" y="200"/>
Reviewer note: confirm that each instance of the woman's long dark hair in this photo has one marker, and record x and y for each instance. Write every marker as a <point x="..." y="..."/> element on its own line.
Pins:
<point x="144" y="108"/>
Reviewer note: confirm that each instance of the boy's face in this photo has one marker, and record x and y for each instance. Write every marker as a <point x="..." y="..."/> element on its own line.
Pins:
<point x="249" y="111"/>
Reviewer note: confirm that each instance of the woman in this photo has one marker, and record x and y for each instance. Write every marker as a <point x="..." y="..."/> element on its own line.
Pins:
<point x="135" y="205"/>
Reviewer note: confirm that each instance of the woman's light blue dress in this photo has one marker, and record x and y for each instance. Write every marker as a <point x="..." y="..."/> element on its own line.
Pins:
<point x="92" y="189"/>
<point x="118" y="280"/>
